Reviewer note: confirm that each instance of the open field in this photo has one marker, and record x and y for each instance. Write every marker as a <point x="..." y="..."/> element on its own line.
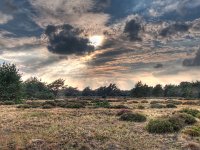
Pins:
<point x="91" y="128"/>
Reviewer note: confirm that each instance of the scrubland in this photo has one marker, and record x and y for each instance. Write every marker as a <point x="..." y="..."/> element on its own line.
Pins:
<point x="112" y="124"/>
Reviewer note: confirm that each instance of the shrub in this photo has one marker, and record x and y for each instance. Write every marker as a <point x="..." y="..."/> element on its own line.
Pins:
<point x="52" y="103"/>
<point x="47" y="106"/>
<point x="188" y="119"/>
<point x="144" y="101"/>
<point x="198" y="115"/>
<point x="171" y="105"/>
<point x="121" y="112"/>
<point x="192" y="112"/>
<point x="24" y="106"/>
<point x="193" y="131"/>
<point x="8" y="103"/>
<point x="189" y="103"/>
<point x="173" y="102"/>
<point x="171" y="124"/>
<point x="160" y="126"/>
<point x="74" y="105"/>
<point x="136" y="117"/>
<point x="119" y="107"/>
<point x="154" y="102"/>
<point x="158" y="106"/>
<point x="141" y="107"/>
<point x="102" y="104"/>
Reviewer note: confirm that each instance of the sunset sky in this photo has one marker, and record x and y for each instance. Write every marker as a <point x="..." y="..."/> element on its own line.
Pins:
<point x="97" y="42"/>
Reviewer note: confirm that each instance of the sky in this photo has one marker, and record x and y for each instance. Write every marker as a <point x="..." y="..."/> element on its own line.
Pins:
<point x="97" y="42"/>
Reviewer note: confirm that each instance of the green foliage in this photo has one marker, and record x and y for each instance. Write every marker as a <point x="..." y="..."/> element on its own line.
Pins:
<point x="192" y="112"/>
<point x="111" y="90"/>
<point x="124" y="111"/>
<point x="102" y="104"/>
<point x="141" y="107"/>
<point x="141" y="90"/>
<point x="157" y="106"/>
<point x="160" y="126"/>
<point x="36" y="89"/>
<point x="193" y="131"/>
<point x="118" y="107"/>
<point x="144" y="101"/>
<point x="56" y="86"/>
<point x="70" y="91"/>
<point x="170" y="105"/>
<point x="170" y="124"/>
<point x="133" y="117"/>
<point x="10" y="83"/>
<point x="158" y="91"/>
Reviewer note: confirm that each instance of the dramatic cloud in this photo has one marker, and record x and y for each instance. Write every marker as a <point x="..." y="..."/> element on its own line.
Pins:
<point x="65" y="39"/>
<point x="174" y="28"/>
<point x="133" y="40"/>
<point x="193" y="62"/>
<point x="133" y="28"/>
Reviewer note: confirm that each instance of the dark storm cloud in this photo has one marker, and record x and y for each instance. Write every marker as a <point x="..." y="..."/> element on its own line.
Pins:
<point x="132" y="29"/>
<point x="66" y="40"/>
<point x="193" y="62"/>
<point x="22" y="23"/>
<point x="174" y="28"/>
<point x="157" y="66"/>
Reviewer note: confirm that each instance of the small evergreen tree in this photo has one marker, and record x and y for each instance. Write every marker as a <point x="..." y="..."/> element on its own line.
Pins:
<point x="10" y="83"/>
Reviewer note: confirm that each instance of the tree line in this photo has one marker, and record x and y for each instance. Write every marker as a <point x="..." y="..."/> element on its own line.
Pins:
<point x="12" y="88"/>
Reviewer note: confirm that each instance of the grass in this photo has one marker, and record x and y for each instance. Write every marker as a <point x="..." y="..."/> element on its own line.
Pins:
<point x="193" y="131"/>
<point x="33" y="127"/>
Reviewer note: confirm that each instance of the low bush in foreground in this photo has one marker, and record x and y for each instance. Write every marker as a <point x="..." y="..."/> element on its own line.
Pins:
<point x="102" y="104"/>
<point x="119" y="107"/>
<point x="140" y="107"/>
<point x="171" y="124"/>
<point x="193" y="112"/>
<point x="157" y="106"/>
<point x="124" y="111"/>
<point x="193" y="131"/>
<point x="144" y="101"/>
<point x="133" y="117"/>
<point x="160" y="126"/>
<point x="171" y="105"/>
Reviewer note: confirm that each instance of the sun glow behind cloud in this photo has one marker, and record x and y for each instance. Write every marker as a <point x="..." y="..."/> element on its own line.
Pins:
<point x="96" y="40"/>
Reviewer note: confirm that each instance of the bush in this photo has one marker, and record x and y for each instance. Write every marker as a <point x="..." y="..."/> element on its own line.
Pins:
<point x="171" y="124"/>
<point x="119" y="107"/>
<point x="171" y="105"/>
<point x="158" y="106"/>
<point x="141" y="107"/>
<point x="188" y="119"/>
<point x="24" y="106"/>
<point x="193" y="131"/>
<point x="102" y="104"/>
<point x="174" y="102"/>
<point x="160" y="126"/>
<point x="121" y="112"/>
<point x="8" y="103"/>
<point x="47" y="106"/>
<point x="144" y="101"/>
<point x="190" y="103"/>
<point x="133" y="117"/>
<point x="192" y="112"/>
